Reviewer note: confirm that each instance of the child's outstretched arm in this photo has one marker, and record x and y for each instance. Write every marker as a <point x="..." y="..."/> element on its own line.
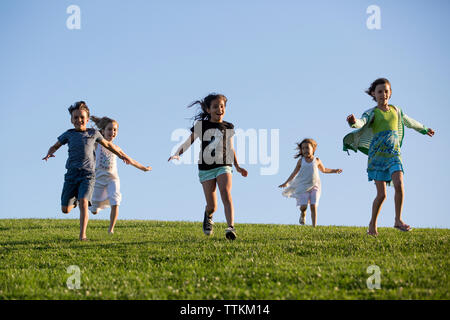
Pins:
<point x="293" y="174"/>
<point x="136" y="164"/>
<point x="52" y="150"/>
<point x="416" y="125"/>
<point x="242" y="171"/>
<point x="189" y="141"/>
<point x="326" y="170"/>
<point x="116" y="150"/>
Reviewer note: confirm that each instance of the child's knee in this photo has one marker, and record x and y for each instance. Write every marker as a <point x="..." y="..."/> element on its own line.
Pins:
<point x="303" y="207"/>
<point x="313" y="206"/>
<point x="65" y="209"/>
<point x="381" y="196"/>
<point x="84" y="203"/>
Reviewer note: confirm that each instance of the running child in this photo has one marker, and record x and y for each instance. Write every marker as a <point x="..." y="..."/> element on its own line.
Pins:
<point x="79" y="179"/>
<point x="380" y="136"/>
<point x="216" y="159"/>
<point x="305" y="186"/>
<point x="107" y="183"/>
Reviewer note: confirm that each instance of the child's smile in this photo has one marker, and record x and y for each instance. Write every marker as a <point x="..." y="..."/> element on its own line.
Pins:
<point x="217" y="110"/>
<point x="110" y="131"/>
<point x="382" y="94"/>
<point x="79" y="119"/>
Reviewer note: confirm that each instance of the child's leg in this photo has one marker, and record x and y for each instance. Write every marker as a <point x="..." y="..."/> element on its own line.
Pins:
<point x="209" y="189"/>
<point x="397" y="179"/>
<point x="114" y="197"/>
<point x="313" y="214"/>
<point x="84" y="217"/>
<point x="314" y="202"/>
<point x="67" y="209"/>
<point x="376" y="206"/>
<point x="224" y="181"/>
<point x="69" y="195"/>
<point x="303" y="213"/>
<point x="113" y="218"/>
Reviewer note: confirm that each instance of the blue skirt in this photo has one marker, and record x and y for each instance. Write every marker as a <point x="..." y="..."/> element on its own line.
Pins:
<point x="384" y="156"/>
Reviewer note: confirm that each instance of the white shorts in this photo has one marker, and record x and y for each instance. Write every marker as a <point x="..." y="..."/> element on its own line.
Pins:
<point x="312" y="196"/>
<point x="106" y="193"/>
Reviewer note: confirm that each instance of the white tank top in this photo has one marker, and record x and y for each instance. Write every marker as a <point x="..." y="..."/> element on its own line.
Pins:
<point x="105" y="163"/>
<point x="306" y="179"/>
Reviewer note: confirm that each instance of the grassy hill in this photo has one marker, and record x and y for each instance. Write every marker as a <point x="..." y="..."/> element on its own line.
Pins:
<point x="174" y="260"/>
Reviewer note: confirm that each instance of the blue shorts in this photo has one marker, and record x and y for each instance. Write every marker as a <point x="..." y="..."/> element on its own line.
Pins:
<point x="78" y="184"/>
<point x="210" y="174"/>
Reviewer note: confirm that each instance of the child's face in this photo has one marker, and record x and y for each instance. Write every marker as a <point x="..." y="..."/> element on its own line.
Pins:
<point x="110" y="131"/>
<point x="79" y="119"/>
<point x="217" y="110"/>
<point x="307" y="150"/>
<point x="382" y="93"/>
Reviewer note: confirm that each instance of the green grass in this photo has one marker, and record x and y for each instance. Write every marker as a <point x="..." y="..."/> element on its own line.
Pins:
<point x="174" y="260"/>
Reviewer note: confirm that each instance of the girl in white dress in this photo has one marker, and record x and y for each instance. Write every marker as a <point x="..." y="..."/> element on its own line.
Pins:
<point x="304" y="182"/>
<point x="107" y="183"/>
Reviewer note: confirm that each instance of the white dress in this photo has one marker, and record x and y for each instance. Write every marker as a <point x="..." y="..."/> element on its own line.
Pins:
<point x="107" y="182"/>
<point x="305" y="180"/>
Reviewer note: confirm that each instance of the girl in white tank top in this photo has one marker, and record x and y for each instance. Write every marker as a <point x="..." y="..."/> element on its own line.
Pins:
<point x="304" y="182"/>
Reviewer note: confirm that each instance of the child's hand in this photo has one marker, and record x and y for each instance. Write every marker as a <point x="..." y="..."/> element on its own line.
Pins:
<point x="48" y="156"/>
<point x="242" y="171"/>
<point x="351" y="119"/>
<point x="284" y="185"/>
<point x="430" y="132"/>
<point x="337" y="170"/>
<point x="145" y="169"/>
<point x="174" y="158"/>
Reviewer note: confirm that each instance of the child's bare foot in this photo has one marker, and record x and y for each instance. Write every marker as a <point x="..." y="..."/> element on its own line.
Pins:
<point x="110" y="231"/>
<point x="84" y="239"/>
<point x="372" y="231"/>
<point x="400" y="225"/>
<point x="302" y="218"/>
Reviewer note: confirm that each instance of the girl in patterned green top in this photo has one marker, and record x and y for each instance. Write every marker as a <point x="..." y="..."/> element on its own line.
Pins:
<point x="380" y="137"/>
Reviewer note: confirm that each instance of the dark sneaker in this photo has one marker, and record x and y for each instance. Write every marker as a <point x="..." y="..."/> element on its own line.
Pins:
<point x="230" y="233"/>
<point x="208" y="224"/>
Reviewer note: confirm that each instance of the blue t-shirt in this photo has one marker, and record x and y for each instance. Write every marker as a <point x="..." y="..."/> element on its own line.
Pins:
<point x="81" y="148"/>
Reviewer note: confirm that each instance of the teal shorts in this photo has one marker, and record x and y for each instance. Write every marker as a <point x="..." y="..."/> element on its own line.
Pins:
<point x="205" y="175"/>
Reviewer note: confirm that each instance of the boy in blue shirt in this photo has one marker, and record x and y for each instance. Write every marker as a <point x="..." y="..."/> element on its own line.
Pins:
<point x="79" y="180"/>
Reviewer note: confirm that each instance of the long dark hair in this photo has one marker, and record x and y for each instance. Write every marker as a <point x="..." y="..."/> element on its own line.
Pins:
<point x="206" y="104"/>
<point x="312" y="142"/>
<point x="374" y="85"/>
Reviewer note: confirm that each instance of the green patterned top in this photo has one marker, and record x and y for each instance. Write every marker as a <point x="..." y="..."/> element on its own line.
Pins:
<point x="384" y="120"/>
<point x="360" y="139"/>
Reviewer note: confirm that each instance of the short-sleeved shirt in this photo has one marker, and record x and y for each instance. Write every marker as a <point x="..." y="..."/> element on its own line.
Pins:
<point x="215" y="140"/>
<point x="81" y="148"/>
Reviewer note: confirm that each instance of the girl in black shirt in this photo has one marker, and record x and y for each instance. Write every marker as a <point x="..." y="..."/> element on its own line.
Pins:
<point x="216" y="158"/>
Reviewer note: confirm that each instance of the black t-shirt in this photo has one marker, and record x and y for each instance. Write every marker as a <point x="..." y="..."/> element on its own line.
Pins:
<point x="215" y="140"/>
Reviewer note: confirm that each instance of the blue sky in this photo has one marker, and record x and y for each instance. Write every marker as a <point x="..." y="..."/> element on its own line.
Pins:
<point x="297" y="66"/>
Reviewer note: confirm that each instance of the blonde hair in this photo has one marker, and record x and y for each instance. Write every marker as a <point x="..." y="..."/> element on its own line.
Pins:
<point x="102" y="123"/>
<point x="312" y="142"/>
